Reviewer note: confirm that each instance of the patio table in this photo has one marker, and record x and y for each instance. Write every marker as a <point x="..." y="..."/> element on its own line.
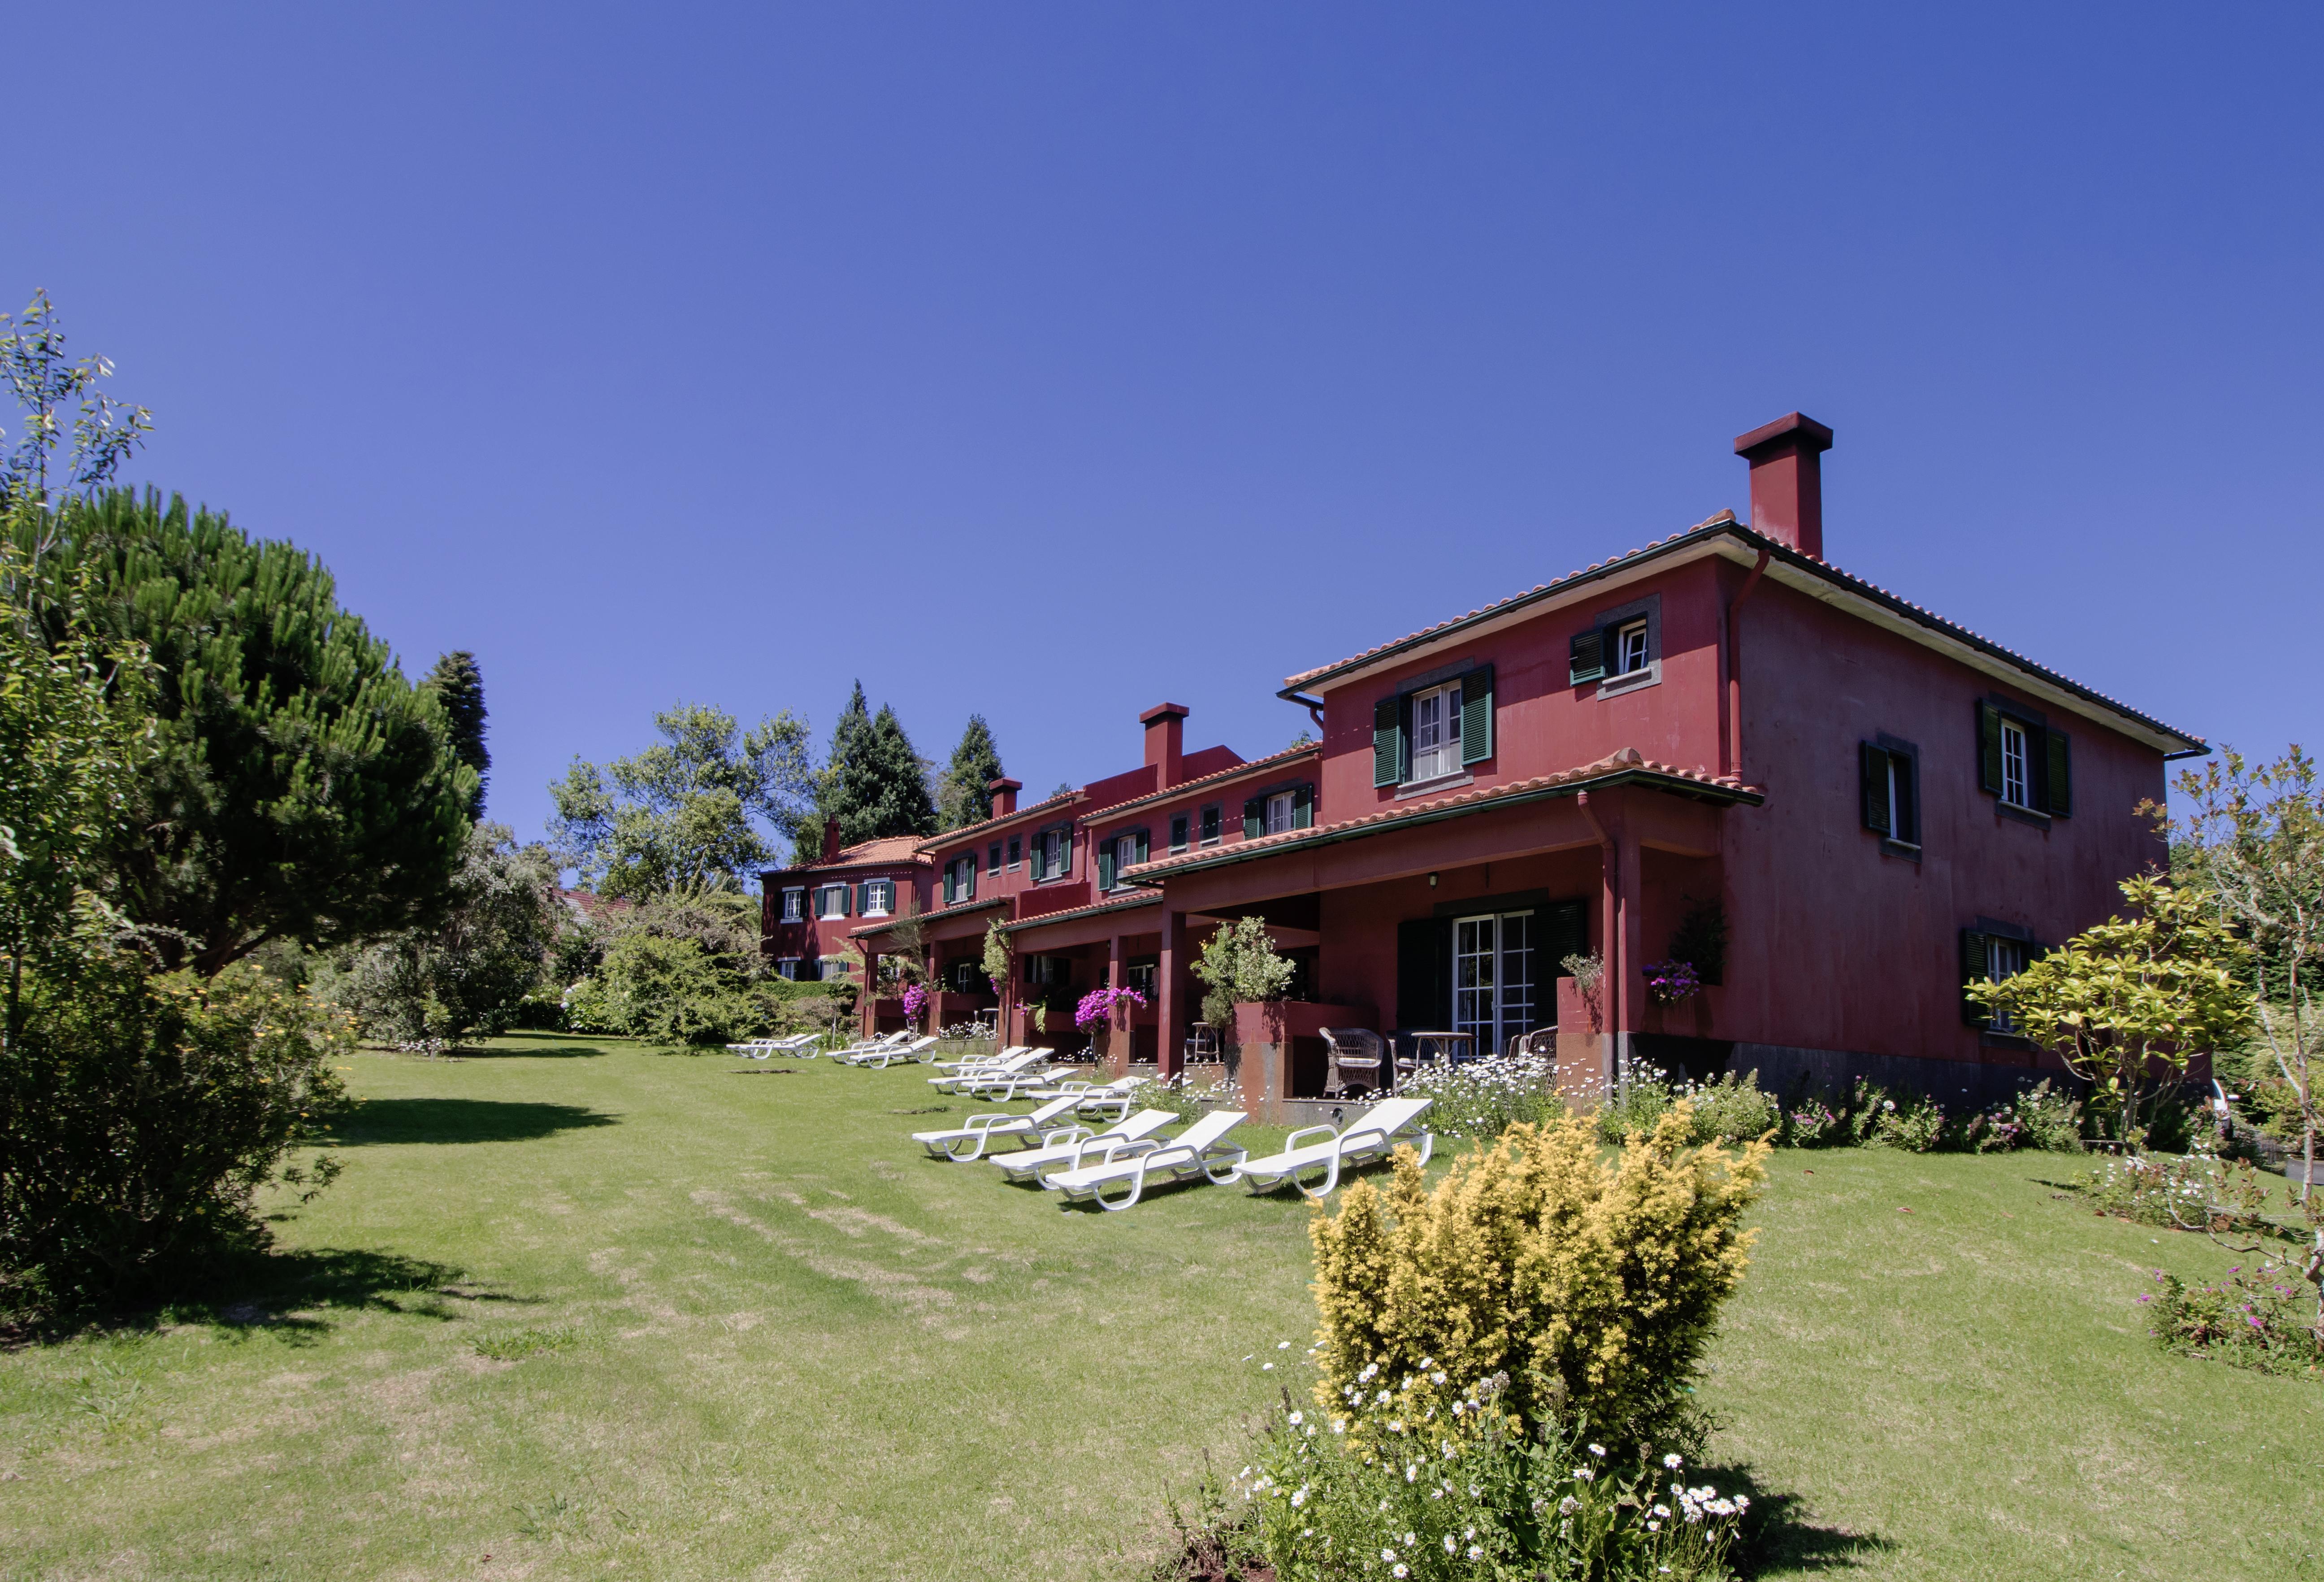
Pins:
<point x="1441" y="1048"/>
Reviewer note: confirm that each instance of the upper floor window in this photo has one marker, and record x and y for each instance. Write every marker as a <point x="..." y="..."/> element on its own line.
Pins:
<point x="1179" y="832"/>
<point x="960" y="878"/>
<point x="1434" y="730"/>
<point x="1277" y="817"/>
<point x="1053" y="854"/>
<point x="2022" y="762"/>
<point x="1211" y="825"/>
<point x="831" y="901"/>
<point x="1016" y="852"/>
<point x="993" y="858"/>
<point x="1621" y="649"/>
<point x="794" y="906"/>
<point x="879" y="897"/>
<point x="1124" y="850"/>
<point x="1629" y="655"/>
<point x="1888" y="781"/>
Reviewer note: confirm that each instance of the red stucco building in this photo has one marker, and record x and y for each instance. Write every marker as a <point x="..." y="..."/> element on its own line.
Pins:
<point x="1718" y="736"/>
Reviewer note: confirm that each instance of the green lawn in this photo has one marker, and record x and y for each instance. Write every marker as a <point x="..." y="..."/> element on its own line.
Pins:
<point x="592" y="1311"/>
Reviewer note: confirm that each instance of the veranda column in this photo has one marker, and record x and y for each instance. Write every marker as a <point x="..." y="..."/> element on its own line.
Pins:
<point x="1628" y="996"/>
<point x="1117" y="1021"/>
<point x="1170" y="1014"/>
<point x="867" y="1003"/>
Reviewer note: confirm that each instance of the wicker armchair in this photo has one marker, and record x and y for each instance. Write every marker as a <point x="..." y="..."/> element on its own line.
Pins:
<point x="1359" y="1055"/>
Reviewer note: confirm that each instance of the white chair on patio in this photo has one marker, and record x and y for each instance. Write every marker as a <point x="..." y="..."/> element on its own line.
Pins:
<point x="1371" y="1136"/>
<point x="1033" y="1163"/>
<point x="970" y="1062"/>
<point x="1113" y="1164"/>
<point x="981" y="1132"/>
<point x="1093" y="1097"/>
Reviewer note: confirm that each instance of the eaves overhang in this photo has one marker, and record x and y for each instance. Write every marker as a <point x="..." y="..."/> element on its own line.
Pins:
<point x="957" y="909"/>
<point x="1123" y="903"/>
<point x="1627" y="770"/>
<point x="1730" y="539"/>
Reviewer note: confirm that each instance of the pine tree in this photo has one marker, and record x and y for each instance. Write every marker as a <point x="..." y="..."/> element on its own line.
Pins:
<point x="873" y="782"/>
<point x="459" y="687"/>
<point x="964" y="794"/>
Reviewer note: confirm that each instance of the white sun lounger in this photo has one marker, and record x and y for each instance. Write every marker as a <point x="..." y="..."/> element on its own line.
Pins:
<point x="880" y="1060"/>
<point x="1110" y="1165"/>
<point x="1032" y="1163"/>
<point x="760" y="1048"/>
<point x="886" y="1040"/>
<point x="971" y="1062"/>
<point x="1007" y="1086"/>
<point x="1052" y="1120"/>
<point x="965" y="1081"/>
<point x="1371" y="1136"/>
<point x="1094" y="1098"/>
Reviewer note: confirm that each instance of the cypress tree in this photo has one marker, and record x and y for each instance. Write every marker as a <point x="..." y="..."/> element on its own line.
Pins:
<point x="459" y="687"/>
<point x="873" y="782"/>
<point x="964" y="795"/>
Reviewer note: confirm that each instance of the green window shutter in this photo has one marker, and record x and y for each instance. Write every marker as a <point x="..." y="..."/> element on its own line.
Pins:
<point x="1989" y="747"/>
<point x="1476" y="715"/>
<point x="1066" y="851"/>
<point x="1972" y="951"/>
<point x="1142" y="847"/>
<point x="1254" y="815"/>
<point x="1872" y="778"/>
<point x="1387" y="741"/>
<point x="1303" y="807"/>
<point x="1586" y="657"/>
<point x="951" y="885"/>
<point x="968" y="875"/>
<point x="846" y="900"/>
<point x="1104" y="868"/>
<point x="2060" y="792"/>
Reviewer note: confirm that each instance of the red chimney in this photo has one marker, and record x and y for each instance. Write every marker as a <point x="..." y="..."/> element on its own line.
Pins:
<point x="1166" y="743"/>
<point x="831" y="840"/>
<point x="1788" y="480"/>
<point x="1004" y="797"/>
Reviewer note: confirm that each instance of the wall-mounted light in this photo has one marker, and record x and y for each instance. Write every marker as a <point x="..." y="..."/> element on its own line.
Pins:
<point x="1431" y="881"/>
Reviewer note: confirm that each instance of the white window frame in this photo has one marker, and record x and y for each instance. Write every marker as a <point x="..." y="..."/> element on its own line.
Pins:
<point x="794" y="906"/>
<point x="1440" y="759"/>
<point x="1125" y="854"/>
<point x="879" y="897"/>
<point x="2016" y="764"/>
<point x="1631" y="652"/>
<point x="1274" y="816"/>
<point x="831" y="901"/>
<point x="1053" y="854"/>
<point x="2005" y="958"/>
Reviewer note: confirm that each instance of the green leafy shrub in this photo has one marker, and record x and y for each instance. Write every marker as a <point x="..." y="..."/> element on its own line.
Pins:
<point x="669" y="990"/>
<point x="1374" y="1491"/>
<point x="1595" y="1287"/>
<point x="2249" y="1322"/>
<point x="2190" y="1191"/>
<point x="1733" y="1109"/>
<point x="139" y="1117"/>
<point x="1915" y="1126"/>
<point x="1637" y="1105"/>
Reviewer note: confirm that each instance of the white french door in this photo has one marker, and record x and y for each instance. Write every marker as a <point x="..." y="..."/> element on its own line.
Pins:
<point x="1493" y="978"/>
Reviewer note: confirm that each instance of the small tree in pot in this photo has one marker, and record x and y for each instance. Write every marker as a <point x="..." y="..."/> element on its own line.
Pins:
<point x="1241" y="966"/>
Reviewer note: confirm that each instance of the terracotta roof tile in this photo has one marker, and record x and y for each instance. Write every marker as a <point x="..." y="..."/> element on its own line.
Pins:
<point x="1062" y="799"/>
<point x="1120" y="903"/>
<point x="1627" y="764"/>
<point x="1272" y="761"/>
<point x="885" y="850"/>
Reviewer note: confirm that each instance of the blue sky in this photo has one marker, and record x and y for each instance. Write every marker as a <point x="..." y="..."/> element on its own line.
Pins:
<point x="1051" y="361"/>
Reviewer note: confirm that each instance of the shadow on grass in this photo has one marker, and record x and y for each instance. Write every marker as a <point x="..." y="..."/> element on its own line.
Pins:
<point x="1777" y="1536"/>
<point x="539" y="1046"/>
<point x="458" y="1120"/>
<point x="288" y="1294"/>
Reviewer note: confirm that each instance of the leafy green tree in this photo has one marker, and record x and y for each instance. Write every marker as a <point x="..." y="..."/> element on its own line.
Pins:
<point x="965" y="790"/>
<point x="303" y="788"/>
<point x="459" y="687"/>
<point x="46" y="384"/>
<point x="466" y="974"/>
<point x="873" y="783"/>
<point x="685" y="814"/>
<point x="2126" y="1004"/>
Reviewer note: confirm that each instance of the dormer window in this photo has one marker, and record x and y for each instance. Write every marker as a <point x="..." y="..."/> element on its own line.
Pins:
<point x="1630" y="648"/>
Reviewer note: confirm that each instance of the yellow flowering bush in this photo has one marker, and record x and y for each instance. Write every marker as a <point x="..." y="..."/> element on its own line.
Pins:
<point x="1594" y="1287"/>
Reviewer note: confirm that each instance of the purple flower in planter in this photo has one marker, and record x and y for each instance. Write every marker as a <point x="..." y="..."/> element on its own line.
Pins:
<point x="1099" y="1005"/>
<point x="1671" y="982"/>
<point x="916" y="997"/>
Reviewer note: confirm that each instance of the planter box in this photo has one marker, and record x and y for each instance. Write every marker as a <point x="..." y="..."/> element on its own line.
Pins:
<point x="1279" y="1054"/>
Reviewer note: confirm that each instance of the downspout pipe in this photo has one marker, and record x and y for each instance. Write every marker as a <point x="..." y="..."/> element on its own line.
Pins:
<point x="1314" y="708"/>
<point x="1731" y="738"/>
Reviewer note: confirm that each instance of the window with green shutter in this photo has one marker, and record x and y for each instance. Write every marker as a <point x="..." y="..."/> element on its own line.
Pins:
<point x="2022" y="762"/>
<point x="1586" y="657"/>
<point x="1888" y="790"/>
<point x="1303" y="807"/>
<point x="1476" y="715"/>
<point x="1387" y="741"/>
<point x="1254" y="817"/>
<point x="1179" y="832"/>
<point x="1104" y="869"/>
